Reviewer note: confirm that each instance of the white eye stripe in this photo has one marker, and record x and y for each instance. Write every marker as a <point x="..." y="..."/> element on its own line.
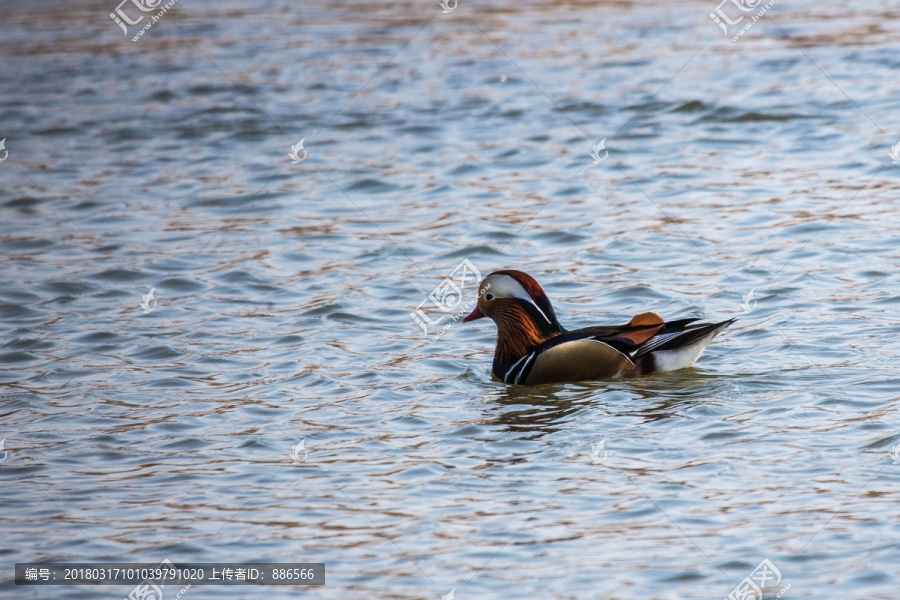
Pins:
<point x="505" y="286"/>
<point x="549" y="322"/>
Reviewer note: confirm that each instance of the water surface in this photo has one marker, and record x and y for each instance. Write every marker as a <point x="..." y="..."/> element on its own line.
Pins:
<point x="285" y="290"/>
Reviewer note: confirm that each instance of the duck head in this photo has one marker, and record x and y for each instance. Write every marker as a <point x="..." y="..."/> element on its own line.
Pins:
<point x="521" y="310"/>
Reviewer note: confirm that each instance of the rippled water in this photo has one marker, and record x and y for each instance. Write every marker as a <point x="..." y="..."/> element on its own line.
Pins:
<point x="285" y="291"/>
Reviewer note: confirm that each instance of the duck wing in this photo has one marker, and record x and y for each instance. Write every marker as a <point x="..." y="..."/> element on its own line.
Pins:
<point x="644" y="345"/>
<point x="636" y="333"/>
<point x="640" y="341"/>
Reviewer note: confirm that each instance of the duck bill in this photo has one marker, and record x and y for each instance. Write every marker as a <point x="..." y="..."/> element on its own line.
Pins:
<point x="474" y="315"/>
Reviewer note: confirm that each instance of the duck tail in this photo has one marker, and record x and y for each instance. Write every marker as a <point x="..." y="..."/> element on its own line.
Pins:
<point x="681" y="349"/>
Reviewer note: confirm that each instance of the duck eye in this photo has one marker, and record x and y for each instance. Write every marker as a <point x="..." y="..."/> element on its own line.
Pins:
<point x="488" y="297"/>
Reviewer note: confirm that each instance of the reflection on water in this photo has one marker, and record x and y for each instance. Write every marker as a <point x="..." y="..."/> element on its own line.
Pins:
<point x="284" y="290"/>
<point x="539" y="412"/>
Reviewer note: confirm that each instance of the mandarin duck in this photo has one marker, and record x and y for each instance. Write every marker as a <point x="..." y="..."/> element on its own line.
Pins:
<point x="533" y="348"/>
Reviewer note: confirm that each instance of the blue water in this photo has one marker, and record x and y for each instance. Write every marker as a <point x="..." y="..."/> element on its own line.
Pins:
<point x="283" y="293"/>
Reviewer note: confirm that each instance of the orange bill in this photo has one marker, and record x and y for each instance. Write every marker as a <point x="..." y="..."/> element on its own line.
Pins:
<point x="474" y="315"/>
